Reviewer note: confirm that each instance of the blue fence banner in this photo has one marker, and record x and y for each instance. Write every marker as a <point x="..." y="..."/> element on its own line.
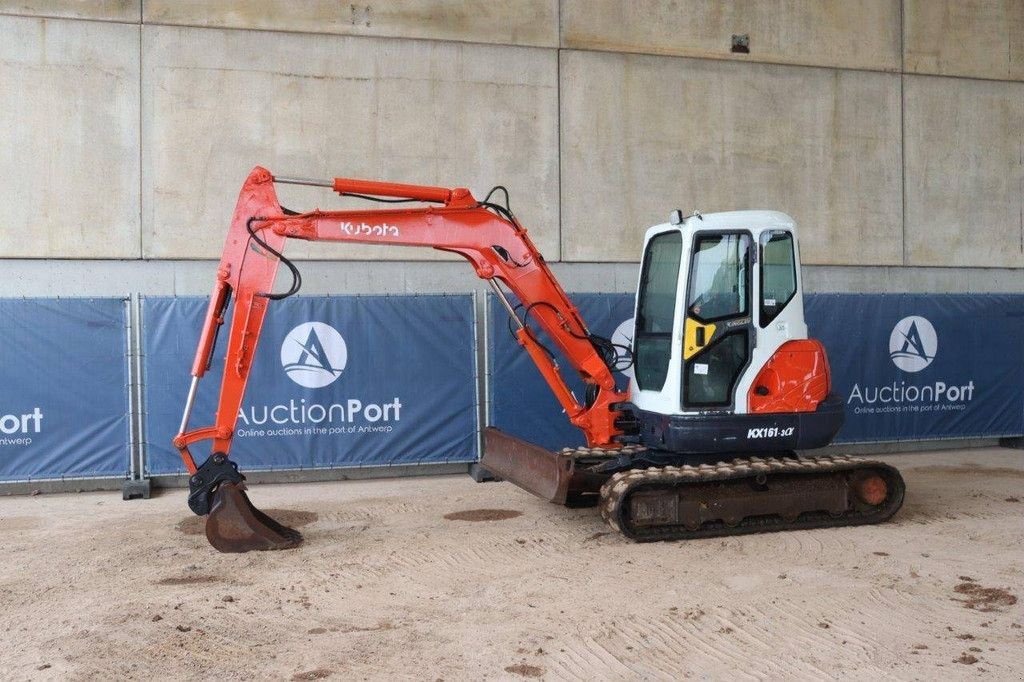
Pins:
<point x="924" y="366"/>
<point x="64" y="410"/>
<point x="336" y="382"/>
<point x="520" y="402"/>
<point x="910" y="366"/>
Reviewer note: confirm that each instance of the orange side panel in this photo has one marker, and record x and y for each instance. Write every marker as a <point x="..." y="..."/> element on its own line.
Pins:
<point x="795" y="379"/>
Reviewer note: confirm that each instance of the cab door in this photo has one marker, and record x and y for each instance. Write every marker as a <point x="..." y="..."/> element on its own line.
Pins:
<point x="719" y="335"/>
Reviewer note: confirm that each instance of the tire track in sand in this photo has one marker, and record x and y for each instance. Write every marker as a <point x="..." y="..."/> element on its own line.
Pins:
<point x="479" y="553"/>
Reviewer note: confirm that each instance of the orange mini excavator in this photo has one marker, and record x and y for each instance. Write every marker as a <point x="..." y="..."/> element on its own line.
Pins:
<point x="726" y="385"/>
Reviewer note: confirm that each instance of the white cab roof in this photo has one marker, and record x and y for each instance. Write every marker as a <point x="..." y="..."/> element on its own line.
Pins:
<point x="755" y="221"/>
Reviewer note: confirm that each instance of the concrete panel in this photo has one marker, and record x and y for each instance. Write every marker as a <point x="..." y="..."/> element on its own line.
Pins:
<point x="644" y="135"/>
<point x="978" y="38"/>
<point x="216" y="103"/>
<point x="964" y="145"/>
<point x="70" y="128"/>
<point x="103" y="10"/>
<point x="510" y="22"/>
<point x="856" y="34"/>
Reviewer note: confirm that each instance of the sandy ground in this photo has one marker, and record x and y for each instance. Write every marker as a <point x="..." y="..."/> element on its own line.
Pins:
<point x="386" y="588"/>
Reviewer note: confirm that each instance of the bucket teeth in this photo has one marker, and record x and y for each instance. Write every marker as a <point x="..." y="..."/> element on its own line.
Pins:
<point x="236" y="525"/>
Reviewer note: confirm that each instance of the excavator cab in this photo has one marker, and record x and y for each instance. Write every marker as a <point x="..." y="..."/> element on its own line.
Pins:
<point x="722" y="362"/>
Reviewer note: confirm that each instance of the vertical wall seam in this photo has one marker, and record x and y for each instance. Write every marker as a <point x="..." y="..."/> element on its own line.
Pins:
<point x="903" y="133"/>
<point x="141" y="169"/>
<point x="558" y="147"/>
<point x="558" y="125"/>
<point x="558" y="23"/>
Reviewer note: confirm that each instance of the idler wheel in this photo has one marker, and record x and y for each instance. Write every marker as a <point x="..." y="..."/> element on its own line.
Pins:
<point x="871" y="490"/>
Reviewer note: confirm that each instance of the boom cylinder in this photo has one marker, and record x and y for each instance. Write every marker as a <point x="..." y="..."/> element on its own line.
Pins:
<point x="440" y="195"/>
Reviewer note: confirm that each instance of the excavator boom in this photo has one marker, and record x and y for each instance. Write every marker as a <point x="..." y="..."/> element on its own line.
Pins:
<point x="485" y="234"/>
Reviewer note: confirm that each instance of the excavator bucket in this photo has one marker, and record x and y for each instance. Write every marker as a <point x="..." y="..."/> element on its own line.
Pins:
<point x="235" y="525"/>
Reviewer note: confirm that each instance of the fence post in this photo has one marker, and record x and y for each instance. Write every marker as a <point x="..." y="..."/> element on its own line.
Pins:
<point x="137" y="484"/>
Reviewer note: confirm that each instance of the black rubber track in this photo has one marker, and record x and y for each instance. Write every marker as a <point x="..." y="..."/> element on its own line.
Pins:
<point x="615" y="511"/>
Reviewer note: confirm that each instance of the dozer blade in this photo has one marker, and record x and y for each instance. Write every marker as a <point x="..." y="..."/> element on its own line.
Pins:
<point x="529" y="466"/>
<point x="553" y="476"/>
<point x="235" y="525"/>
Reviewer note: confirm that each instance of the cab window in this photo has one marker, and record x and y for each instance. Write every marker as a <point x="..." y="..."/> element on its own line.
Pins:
<point x="659" y="281"/>
<point x="718" y="281"/>
<point x="778" y="273"/>
<point x="711" y="376"/>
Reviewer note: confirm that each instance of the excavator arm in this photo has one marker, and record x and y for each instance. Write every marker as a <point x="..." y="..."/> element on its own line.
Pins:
<point x="485" y="234"/>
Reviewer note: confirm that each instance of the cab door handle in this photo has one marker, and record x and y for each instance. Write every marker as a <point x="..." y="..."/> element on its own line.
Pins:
<point x="700" y="339"/>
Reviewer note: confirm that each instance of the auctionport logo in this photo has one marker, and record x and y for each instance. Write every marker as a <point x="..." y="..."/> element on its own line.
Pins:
<point x="314" y="355"/>
<point x="17" y="429"/>
<point x="913" y="343"/>
<point x="623" y="340"/>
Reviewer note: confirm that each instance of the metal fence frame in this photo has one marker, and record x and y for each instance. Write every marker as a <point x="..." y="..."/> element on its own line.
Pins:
<point x="129" y="472"/>
<point x="136" y="482"/>
<point x="319" y="472"/>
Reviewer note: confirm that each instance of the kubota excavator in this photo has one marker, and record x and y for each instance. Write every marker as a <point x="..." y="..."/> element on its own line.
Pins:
<point x="725" y="387"/>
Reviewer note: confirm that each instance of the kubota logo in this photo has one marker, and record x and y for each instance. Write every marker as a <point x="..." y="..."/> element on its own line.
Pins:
<point x="913" y="344"/>
<point x="362" y="229"/>
<point x="314" y="354"/>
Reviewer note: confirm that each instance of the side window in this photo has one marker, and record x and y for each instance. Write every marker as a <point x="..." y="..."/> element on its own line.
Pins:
<point x="656" y="310"/>
<point x="778" y="274"/>
<point x="718" y="281"/>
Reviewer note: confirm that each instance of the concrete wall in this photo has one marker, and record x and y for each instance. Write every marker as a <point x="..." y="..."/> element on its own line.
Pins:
<point x="509" y="22"/>
<point x="972" y="38"/>
<point x="891" y="130"/>
<point x="861" y="34"/>
<point x="713" y="135"/>
<point x="965" y="186"/>
<point x="70" y="136"/>
<point x="217" y="102"/>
